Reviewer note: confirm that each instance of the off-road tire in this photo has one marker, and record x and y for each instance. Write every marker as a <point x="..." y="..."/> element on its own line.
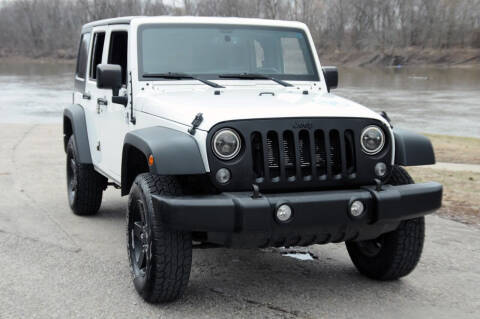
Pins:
<point x="398" y="251"/>
<point x="85" y="193"/>
<point x="168" y="254"/>
<point x="400" y="176"/>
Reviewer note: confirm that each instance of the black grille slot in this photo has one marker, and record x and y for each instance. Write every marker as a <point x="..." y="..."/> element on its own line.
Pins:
<point x="289" y="155"/>
<point x="305" y="155"/>
<point x="320" y="155"/>
<point x="335" y="156"/>
<point x="350" y="152"/>
<point x="273" y="155"/>
<point x="257" y="156"/>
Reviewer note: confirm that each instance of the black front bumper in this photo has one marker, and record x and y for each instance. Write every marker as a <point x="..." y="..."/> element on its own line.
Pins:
<point x="237" y="219"/>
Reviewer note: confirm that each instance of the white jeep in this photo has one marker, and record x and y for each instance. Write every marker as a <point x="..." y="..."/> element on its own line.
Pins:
<point x="223" y="132"/>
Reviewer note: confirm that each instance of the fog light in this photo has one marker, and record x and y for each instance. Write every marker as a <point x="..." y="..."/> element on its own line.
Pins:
<point x="223" y="176"/>
<point x="284" y="213"/>
<point x="380" y="169"/>
<point x="357" y="208"/>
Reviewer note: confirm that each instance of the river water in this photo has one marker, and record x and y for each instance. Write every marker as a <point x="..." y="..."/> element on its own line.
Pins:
<point x="432" y="100"/>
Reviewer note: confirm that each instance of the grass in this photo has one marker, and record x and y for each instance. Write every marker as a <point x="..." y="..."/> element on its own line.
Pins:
<point x="453" y="149"/>
<point x="461" y="189"/>
<point x="460" y="192"/>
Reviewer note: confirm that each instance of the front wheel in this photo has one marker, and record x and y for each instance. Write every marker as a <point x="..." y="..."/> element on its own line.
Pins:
<point x="392" y="255"/>
<point x="395" y="254"/>
<point x="160" y="258"/>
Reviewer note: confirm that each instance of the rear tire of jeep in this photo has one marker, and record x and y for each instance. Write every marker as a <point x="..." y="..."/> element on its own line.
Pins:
<point x="395" y="254"/>
<point x="160" y="258"/>
<point x="84" y="185"/>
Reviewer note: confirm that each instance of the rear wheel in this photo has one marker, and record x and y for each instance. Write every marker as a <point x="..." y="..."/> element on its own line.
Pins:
<point x="160" y="258"/>
<point x="84" y="185"/>
<point x="395" y="254"/>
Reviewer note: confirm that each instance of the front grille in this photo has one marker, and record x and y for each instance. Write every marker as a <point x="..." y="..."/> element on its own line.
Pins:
<point x="303" y="155"/>
<point x="299" y="154"/>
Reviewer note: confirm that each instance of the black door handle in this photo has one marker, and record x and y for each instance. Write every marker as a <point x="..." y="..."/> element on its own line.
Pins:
<point x="86" y="96"/>
<point x="101" y="101"/>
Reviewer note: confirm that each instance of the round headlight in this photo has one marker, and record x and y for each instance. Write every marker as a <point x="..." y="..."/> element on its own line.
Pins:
<point x="226" y="144"/>
<point x="372" y="140"/>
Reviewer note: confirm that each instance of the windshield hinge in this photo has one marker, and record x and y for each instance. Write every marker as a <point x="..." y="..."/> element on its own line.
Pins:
<point x="133" y="119"/>
<point x="196" y="123"/>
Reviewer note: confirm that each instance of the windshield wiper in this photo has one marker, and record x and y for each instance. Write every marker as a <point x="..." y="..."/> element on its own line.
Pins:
<point x="253" y="76"/>
<point x="179" y="76"/>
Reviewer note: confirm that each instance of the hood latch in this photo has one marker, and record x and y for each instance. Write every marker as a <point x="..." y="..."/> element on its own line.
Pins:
<point x="196" y="123"/>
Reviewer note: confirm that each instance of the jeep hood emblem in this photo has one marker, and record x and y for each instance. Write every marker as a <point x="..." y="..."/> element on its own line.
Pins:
<point x="302" y="125"/>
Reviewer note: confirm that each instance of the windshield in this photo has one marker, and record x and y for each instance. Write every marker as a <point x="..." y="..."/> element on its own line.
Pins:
<point x="209" y="51"/>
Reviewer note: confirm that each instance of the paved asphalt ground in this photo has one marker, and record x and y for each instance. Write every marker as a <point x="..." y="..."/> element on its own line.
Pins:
<point x="55" y="264"/>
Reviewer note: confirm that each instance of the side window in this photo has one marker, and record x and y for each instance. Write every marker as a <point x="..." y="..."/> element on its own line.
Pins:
<point x="117" y="53"/>
<point x="97" y="51"/>
<point x="82" y="56"/>
<point x="294" y="61"/>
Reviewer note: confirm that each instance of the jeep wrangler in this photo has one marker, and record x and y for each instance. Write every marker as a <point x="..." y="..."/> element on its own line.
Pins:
<point x="224" y="132"/>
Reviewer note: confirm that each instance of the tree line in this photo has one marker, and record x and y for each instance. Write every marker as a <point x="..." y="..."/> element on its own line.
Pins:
<point x="51" y="27"/>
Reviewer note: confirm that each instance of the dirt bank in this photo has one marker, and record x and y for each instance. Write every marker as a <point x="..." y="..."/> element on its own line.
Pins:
<point x="403" y="57"/>
<point x="460" y="192"/>
<point x="455" y="149"/>
<point x="461" y="185"/>
<point x="394" y="57"/>
<point x="25" y="59"/>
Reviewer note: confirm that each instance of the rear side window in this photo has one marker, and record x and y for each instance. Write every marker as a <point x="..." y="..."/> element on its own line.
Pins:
<point x="97" y="52"/>
<point x="83" y="55"/>
<point x="117" y="54"/>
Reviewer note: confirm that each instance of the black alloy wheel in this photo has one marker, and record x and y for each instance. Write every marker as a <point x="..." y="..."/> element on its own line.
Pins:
<point x="72" y="178"/>
<point x="84" y="185"/>
<point x="140" y="243"/>
<point x="160" y="257"/>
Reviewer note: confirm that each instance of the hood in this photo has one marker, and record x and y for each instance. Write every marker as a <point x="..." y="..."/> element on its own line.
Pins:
<point x="243" y="104"/>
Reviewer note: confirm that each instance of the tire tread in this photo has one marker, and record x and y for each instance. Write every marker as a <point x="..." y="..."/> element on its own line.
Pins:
<point x="91" y="184"/>
<point x="171" y="250"/>
<point x="404" y="245"/>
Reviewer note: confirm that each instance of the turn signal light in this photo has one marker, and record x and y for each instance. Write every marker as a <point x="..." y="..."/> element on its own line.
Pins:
<point x="150" y="160"/>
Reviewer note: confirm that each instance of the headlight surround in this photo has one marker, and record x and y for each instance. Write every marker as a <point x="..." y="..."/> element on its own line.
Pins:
<point x="372" y="140"/>
<point x="226" y="144"/>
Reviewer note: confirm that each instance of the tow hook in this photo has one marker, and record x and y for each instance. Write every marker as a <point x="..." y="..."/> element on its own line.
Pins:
<point x="378" y="185"/>
<point x="256" y="192"/>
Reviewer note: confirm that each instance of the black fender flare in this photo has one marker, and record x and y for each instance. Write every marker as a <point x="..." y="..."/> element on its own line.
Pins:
<point x="74" y="115"/>
<point x="412" y="149"/>
<point x="174" y="152"/>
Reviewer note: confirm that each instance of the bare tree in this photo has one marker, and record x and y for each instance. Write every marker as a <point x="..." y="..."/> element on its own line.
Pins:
<point x="51" y="27"/>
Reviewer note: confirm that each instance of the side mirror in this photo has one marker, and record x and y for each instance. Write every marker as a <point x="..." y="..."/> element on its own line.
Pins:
<point x="331" y="77"/>
<point x="109" y="76"/>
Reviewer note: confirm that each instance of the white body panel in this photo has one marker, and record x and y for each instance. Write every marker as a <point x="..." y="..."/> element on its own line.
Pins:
<point x="174" y="104"/>
<point x="181" y="105"/>
<point x="114" y="123"/>
<point x="93" y="112"/>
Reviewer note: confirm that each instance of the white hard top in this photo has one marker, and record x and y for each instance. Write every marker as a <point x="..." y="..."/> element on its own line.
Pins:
<point x="190" y="19"/>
